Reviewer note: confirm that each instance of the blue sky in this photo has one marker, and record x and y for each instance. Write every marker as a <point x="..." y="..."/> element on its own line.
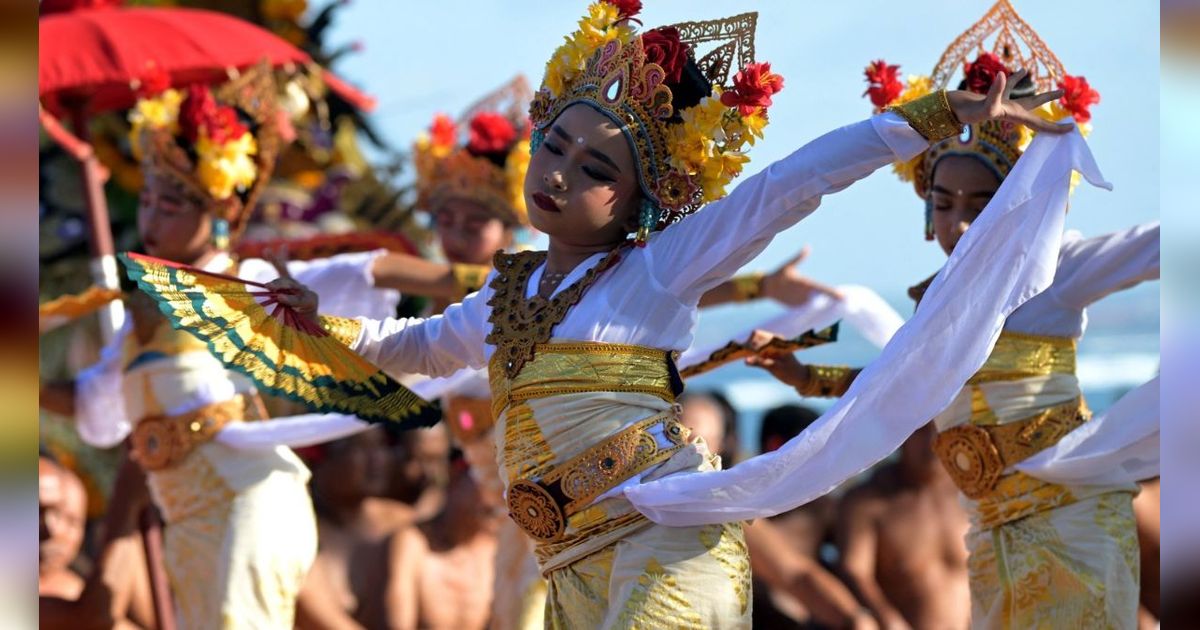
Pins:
<point x="424" y="57"/>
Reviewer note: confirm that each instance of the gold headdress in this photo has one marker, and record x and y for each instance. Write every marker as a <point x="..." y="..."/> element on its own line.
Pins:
<point x="999" y="42"/>
<point x="489" y="168"/>
<point x="218" y="146"/>
<point x="686" y="156"/>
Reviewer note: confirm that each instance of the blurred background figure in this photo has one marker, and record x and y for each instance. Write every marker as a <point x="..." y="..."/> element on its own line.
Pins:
<point x="901" y="539"/>
<point x="345" y="587"/>
<point x="62" y="514"/>
<point x="709" y="415"/>
<point x="440" y="572"/>
<point x="419" y="470"/>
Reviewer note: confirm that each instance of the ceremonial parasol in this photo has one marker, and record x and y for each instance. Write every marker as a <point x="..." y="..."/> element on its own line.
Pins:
<point x="90" y="60"/>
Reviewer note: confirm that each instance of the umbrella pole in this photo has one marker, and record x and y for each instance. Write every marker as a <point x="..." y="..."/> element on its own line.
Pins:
<point x="160" y="589"/>
<point x="103" y="263"/>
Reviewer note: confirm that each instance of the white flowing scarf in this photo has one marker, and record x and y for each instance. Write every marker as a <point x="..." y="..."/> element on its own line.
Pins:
<point x="1008" y="256"/>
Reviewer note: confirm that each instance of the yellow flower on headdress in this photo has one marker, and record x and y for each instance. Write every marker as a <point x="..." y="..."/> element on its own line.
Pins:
<point x="596" y="29"/>
<point x="224" y="168"/>
<point x="515" y="168"/>
<point x="159" y="112"/>
<point x="917" y="85"/>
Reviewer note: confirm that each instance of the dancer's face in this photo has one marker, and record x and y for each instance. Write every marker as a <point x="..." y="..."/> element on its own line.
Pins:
<point x="582" y="186"/>
<point x="469" y="233"/>
<point x="962" y="187"/>
<point x="171" y="224"/>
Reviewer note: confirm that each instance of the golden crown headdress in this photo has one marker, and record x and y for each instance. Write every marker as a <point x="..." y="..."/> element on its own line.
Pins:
<point x="216" y="145"/>
<point x="999" y="42"/>
<point x="686" y="156"/>
<point x="489" y="166"/>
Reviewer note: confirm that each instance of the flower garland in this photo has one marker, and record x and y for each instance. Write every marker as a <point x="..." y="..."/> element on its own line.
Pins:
<point x="223" y="145"/>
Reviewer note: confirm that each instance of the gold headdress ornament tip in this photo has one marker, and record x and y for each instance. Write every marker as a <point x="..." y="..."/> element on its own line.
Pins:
<point x="686" y="154"/>
<point x="487" y="166"/>
<point x="217" y="146"/>
<point x="1000" y="41"/>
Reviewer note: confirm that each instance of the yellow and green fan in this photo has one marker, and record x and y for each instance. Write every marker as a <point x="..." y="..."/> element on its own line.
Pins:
<point x="284" y="353"/>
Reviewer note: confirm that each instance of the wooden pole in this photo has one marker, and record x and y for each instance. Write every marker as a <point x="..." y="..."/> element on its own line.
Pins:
<point x="104" y="261"/>
<point x="160" y="586"/>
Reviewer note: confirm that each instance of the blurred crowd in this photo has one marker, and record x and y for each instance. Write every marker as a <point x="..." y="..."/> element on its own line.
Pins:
<point x="407" y="539"/>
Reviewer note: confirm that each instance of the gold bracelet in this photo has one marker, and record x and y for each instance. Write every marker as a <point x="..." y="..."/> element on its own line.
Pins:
<point x="931" y="116"/>
<point x="343" y="329"/>
<point x="825" y="381"/>
<point x="468" y="278"/>
<point x="747" y="286"/>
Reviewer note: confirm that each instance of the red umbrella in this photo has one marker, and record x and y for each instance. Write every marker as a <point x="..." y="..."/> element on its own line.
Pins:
<point x="88" y="58"/>
<point x="88" y="61"/>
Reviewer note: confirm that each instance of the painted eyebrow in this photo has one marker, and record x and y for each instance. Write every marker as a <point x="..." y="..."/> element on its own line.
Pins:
<point x="599" y="155"/>
<point x="979" y="194"/>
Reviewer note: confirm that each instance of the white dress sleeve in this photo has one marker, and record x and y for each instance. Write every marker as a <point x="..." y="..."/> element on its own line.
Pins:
<point x="1090" y="269"/>
<point x="436" y="346"/>
<point x="344" y="283"/>
<point x="100" y="414"/>
<point x="1008" y="256"/>
<point x="708" y="248"/>
<point x="290" y="431"/>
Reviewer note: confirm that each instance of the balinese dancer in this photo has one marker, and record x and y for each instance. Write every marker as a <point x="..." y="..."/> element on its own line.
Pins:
<point x="240" y="532"/>
<point x="631" y="136"/>
<point x="1040" y="551"/>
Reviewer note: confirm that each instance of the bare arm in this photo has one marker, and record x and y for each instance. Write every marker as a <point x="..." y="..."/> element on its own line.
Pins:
<point x="414" y="275"/>
<point x="772" y="561"/>
<point x="401" y="602"/>
<point x="859" y="543"/>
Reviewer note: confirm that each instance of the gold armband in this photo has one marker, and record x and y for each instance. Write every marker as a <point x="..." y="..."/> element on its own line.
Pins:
<point x="747" y="286"/>
<point x="826" y="381"/>
<point x="468" y="278"/>
<point x="931" y="116"/>
<point x="343" y="329"/>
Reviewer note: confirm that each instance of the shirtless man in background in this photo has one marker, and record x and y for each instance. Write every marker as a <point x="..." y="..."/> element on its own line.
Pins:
<point x="354" y="524"/>
<point x="441" y="571"/>
<point x="901" y="537"/>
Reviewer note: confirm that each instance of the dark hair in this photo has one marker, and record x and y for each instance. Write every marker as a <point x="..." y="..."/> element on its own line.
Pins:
<point x="1024" y="87"/>
<point x="782" y="424"/>
<point x="728" y="414"/>
<point x="693" y="86"/>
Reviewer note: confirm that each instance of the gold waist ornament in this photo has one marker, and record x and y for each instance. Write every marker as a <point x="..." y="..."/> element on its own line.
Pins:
<point x="1018" y="355"/>
<point x="160" y="442"/>
<point x="976" y="456"/>
<point x="542" y="506"/>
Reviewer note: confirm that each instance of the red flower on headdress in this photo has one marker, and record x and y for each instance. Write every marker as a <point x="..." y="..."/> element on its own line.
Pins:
<point x="884" y="84"/>
<point x="627" y="8"/>
<point x="491" y="133"/>
<point x="200" y="111"/>
<point x="1078" y="97"/>
<point x="752" y="88"/>
<point x="982" y="73"/>
<point x="152" y="81"/>
<point x="663" y="47"/>
<point x="443" y="132"/>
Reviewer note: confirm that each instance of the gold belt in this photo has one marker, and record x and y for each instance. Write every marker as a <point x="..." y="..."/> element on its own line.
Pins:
<point x="162" y="441"/>
<point x="975" y="456"/>
<point x="541" y="507"/>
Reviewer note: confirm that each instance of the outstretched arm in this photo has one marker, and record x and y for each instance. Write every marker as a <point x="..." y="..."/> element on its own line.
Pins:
<point x="785" y="285"/>
<point x="706" y="249"/>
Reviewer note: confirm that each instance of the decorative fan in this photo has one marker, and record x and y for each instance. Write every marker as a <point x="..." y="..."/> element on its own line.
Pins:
<point x="282" y="352"/>
<point x="735" y="350"/>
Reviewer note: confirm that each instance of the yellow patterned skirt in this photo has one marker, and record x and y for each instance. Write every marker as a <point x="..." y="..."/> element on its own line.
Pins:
<point x="657" y="577"/>
<point x="234" y="559"/>
<point x="1046" y="556"/>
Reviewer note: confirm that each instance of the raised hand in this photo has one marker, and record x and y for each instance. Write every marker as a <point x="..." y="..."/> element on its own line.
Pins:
<point x="997" y="104"/>
<point x="787" y="285"/>
<point x="289" y="292"/>
<point x="783" y="366"/>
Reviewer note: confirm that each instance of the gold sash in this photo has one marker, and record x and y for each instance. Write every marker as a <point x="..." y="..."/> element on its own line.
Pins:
<point x="164" y="441"/>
